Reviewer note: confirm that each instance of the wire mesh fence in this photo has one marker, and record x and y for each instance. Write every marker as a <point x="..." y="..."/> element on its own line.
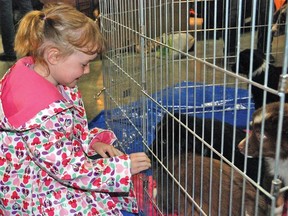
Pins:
<point x="183" y="81"/>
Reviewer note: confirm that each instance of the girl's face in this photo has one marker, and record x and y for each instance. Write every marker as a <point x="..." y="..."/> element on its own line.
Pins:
<point x="68" y="70"/>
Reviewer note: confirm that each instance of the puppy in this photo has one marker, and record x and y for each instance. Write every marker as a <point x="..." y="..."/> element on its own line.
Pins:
<point x="271" y="118"/>
<point x="210" y="186"/>
<point x="258" y="75"/>
<point x="172" y="138"/>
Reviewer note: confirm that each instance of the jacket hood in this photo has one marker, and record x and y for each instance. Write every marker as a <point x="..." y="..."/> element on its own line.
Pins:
<point x="24" y="93"/>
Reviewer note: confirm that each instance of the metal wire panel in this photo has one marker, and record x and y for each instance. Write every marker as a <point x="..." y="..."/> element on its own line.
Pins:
<point x="171" y="90"/>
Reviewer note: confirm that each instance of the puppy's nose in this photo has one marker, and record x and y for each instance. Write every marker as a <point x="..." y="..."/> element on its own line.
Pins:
<point x="241" y="146"/>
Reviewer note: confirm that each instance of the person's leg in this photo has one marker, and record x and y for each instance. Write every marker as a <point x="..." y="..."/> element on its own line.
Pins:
<point x="24" y="6"/>
<point x="263" y="18"/>
<point x="231" y="41"/>
<point x="232" y="31"/>
<point x="7" y="30"/>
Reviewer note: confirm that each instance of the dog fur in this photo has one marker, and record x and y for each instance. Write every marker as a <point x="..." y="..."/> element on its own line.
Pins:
<point x="258" y="69"/>
<point x="201" y="177"/>
<point x="271" y="118"/>
<point x="170" y="132"/>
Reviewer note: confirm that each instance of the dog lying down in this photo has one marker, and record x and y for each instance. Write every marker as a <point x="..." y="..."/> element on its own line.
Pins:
<point x="258" y="75"/>
<point x="209" y="184"/>
<point x="172" y="138"/>
<point x="271" y="118"/>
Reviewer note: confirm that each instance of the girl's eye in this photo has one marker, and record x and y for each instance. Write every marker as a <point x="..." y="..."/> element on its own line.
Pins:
<point x="85" y="65"/>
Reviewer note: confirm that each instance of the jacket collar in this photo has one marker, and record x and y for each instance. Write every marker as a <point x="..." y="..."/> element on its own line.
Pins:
<point x="24" y="93"/>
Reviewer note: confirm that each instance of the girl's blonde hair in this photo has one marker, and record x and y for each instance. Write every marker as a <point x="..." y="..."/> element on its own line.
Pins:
<point x="60" y="26"/>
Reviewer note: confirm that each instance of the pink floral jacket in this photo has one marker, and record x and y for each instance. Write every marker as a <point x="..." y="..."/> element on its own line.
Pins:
<point x="45" y="141"/>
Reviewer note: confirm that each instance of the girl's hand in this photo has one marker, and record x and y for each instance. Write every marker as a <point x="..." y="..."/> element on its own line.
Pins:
<point x="106" y="150"/>
<point x="139" y="162"/>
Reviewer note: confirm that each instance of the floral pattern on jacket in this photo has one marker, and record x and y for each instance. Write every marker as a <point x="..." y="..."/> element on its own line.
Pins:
<point x="45" y="168"/>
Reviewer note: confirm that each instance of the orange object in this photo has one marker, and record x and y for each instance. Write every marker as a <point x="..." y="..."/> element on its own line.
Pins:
<point x="279" y="3"/>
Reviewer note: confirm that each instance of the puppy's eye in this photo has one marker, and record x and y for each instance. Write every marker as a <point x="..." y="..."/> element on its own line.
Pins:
<point x="257" y="134"/>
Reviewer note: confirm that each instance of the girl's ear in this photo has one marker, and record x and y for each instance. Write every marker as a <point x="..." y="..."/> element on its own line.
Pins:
<point x="52" y="55"/>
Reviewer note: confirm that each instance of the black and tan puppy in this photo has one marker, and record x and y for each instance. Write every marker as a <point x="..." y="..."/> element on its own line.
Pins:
<point x="259" y="66"/>
<point x="269" y="138"/>
<point x="271" y="118"/>
<point x="211" y="186"/>
<point x="172" y="139"/>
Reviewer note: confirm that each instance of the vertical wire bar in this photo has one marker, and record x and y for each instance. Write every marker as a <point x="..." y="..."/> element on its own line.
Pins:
<point x="179" y="4"/>
<point x="194" y="95"/>
<point x="143" y="68"/>
<point x="186" y="102"/>
<point x="204" y="94"/>
<point x="213" y="99"/>
<point x="161" y="86"/>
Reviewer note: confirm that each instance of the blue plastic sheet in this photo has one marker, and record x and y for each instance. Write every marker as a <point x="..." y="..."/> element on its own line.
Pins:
<point x="220" y="102"/>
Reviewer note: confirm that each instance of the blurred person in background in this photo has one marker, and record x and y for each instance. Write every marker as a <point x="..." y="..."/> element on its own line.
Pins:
<point x="8" y="25"/>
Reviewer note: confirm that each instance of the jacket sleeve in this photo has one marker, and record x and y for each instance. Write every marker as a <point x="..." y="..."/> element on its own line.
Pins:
<point x="57" y="147"/>
<point x="100" y="135"/>
<point x="95" y="134"/>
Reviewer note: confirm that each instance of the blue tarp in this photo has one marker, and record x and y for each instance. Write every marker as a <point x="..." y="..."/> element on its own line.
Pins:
<point x="220" y="102"/>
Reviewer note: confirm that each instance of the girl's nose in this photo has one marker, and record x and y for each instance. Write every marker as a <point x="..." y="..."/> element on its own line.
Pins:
<point x="87" y="69"/>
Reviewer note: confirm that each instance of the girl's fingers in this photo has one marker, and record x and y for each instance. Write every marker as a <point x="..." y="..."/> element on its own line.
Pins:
<point x="119" y="153"/>
<point x="140" y="156"/>
<point x="139" y="162"/>
<point x="112" y="151"/>
<point x="140" y="168"/>
<point x="103" y="154"/>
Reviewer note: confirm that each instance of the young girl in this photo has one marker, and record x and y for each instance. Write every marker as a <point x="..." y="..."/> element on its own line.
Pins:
<point x="44" y="138"/>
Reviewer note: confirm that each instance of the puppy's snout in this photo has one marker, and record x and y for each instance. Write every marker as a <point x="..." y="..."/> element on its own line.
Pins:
<point x="241" y="146"/>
